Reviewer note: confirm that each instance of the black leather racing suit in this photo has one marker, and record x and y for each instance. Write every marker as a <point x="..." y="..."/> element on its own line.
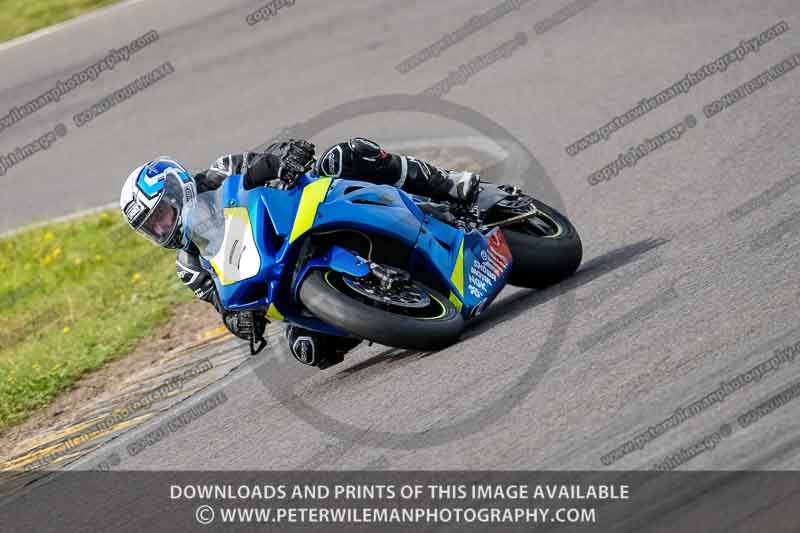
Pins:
<point x="358" y="159"/>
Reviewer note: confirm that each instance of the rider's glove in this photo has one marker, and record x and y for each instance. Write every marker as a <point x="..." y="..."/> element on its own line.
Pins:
<point x="296" y="158"/>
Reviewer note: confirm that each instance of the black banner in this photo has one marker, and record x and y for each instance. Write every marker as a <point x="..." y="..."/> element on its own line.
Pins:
<point x="613" y="501"/>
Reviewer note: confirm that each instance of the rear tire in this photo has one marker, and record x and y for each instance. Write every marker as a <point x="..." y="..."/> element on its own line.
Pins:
<point x="326" y="295"/>
<point x="543" y="261"/>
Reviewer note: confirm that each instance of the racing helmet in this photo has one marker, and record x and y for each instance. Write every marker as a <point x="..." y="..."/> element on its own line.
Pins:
<point x="156" y="198"/>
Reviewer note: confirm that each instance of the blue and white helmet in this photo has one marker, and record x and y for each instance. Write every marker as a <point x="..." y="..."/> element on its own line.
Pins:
<point x="156" y="197"/>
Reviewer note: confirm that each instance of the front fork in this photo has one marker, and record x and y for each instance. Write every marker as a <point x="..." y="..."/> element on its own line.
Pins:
<point x="335" y="258"/>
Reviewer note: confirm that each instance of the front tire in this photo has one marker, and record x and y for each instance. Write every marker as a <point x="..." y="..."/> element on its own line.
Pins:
<point x="328" y="295"/>
<point x="542" y="259"/>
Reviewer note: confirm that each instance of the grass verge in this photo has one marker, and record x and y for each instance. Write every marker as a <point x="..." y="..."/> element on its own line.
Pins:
<point x="20" y="17"/>
<point x="74" y="296"/>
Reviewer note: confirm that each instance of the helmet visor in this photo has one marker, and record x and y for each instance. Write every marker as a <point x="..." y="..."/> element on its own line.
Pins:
<point x="163" y="219"/>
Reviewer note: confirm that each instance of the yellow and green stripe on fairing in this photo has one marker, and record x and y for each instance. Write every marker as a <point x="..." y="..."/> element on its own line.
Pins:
<point x="313" y="195"/>
<point x="273" y="313"/>
<point x="457" y="278"/>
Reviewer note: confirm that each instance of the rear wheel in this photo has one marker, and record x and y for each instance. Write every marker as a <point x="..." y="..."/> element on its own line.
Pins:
<point x="546" y="248"/>
<point x="403" y="313"/>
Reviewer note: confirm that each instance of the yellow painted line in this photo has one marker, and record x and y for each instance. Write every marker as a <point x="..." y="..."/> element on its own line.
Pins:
<point x="28" y="458"/>
<point x="70" y="456"/>
<point x="188" y="349"/>
<point x="62" y="459"/>
<point x="213" y="332"/>
<point x="49" y="438"/>
<point x="132" y="402"/>
<point x="53" y="438"/>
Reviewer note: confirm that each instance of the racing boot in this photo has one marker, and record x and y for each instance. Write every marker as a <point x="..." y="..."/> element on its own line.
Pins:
<point x="440" y="184"/>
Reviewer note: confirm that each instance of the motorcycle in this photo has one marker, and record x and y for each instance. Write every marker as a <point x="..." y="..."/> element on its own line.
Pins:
<point x="368" y="261"/>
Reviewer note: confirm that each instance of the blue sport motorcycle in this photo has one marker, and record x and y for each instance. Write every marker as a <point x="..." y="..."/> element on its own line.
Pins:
<point x="368" y="261"/>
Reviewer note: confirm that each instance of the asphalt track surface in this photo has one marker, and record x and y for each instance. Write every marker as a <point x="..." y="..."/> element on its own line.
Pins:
<point x="677" y="291"/>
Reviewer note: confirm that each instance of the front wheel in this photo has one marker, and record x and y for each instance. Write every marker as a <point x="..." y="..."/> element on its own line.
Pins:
<point x="546" y="248"/>
<point x="404" y="315"/>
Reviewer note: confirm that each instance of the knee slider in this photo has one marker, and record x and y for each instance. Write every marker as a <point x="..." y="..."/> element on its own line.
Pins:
<point x="366" y="149"/>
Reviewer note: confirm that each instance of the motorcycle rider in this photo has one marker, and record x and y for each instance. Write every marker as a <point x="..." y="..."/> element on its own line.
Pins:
<point x="155" y="207"/>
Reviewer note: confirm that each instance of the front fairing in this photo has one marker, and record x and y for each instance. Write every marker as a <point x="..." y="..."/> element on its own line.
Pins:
<point x="253" y="243"/>
<point x="226" y="227"/>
